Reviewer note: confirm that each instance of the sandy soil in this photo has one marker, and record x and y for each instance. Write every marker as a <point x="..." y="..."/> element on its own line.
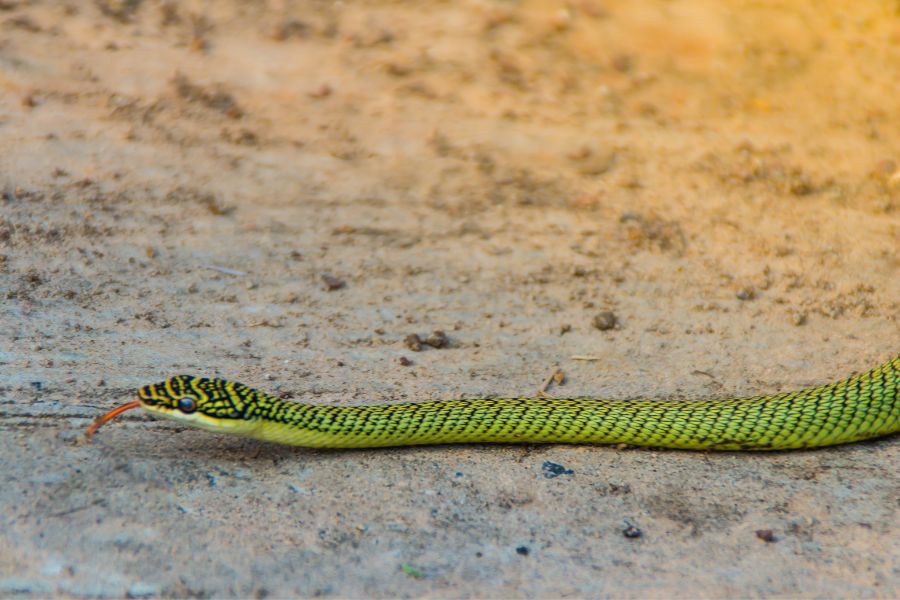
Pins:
<point x="723" y="179"/>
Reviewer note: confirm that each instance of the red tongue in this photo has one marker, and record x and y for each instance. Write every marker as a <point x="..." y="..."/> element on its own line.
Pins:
<point x="109" y="416"/>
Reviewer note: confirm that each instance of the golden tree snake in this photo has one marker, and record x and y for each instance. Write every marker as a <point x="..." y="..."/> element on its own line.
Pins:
<point x="856" y="408"/>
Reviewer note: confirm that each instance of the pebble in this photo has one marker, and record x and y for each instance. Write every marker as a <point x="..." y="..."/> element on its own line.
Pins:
<point x="523" y="551"/>
<point x="766" y="535"/>
<point x="552" y="470"/>
<point x="413" y="342"/>
<point x="631" y="530"/>
<point x="746" y="294"/>
<point x="405" y="361"/>
<point x="332" y="283"/>
<point x="606" y="320"/>
<point x="437" y="339"/>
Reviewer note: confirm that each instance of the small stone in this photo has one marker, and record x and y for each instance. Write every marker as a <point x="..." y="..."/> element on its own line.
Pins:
<point x="799" y="319"/>
<point x="438" y="339"/>
<point x="631" y="530"/>
<point x="766" y="535"/>
<point x="332" y="283"/>
<point x="746" y="294"/>
<point x="559" y="378"/>
<point x="405" y="361"/>
<point x="523" y="551"/>
<point x="413" y="342"/>
<point x="564" y="329"/>
<point x="552" y="470"/>
<point x="606" y="320"/>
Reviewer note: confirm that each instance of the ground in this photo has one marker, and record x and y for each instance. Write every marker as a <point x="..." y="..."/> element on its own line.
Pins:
<point x="282" y="192"/>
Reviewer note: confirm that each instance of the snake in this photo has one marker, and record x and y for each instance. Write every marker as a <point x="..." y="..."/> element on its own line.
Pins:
<point x="860" y="407"/>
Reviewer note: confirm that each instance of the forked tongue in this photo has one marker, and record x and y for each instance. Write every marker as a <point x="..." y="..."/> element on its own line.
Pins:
<point x="109" y="416"/>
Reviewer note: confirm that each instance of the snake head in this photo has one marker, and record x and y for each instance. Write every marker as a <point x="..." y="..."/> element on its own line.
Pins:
<point x="213" y="404"/>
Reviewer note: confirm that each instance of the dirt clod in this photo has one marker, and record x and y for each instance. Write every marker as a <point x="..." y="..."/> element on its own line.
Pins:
<point x="332" y="283"/>
<point x="437" y="339"/>
<point x="604" y="321"/>
<point x="766" y="535"/>
<point x="413" y="342"/>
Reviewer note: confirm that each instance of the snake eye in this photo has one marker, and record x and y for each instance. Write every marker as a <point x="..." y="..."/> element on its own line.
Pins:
<point x="187" y="404"/>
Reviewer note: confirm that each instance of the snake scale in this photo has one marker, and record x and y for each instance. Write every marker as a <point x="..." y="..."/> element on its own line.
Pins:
<point x="860" y="407"/>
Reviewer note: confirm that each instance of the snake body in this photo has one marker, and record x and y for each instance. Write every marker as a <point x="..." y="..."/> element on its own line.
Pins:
<point x="860" y="407"/>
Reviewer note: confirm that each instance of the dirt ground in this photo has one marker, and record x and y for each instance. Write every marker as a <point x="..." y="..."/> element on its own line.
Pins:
<point x="281" y="192"/>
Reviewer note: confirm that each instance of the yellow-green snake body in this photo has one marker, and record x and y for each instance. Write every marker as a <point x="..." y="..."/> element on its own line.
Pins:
<point x="857" y="408"/>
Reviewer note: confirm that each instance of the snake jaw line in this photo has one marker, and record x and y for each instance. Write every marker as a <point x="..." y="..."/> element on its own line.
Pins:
<point x="199" y="420"/>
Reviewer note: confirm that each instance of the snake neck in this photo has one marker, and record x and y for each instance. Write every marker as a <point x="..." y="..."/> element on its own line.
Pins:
<point x="264" y="408"/>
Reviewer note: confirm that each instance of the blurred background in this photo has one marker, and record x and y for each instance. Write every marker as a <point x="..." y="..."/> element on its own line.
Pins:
<point x="700" y="198"/>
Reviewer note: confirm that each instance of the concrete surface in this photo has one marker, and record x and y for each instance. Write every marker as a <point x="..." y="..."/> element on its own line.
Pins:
<point x="724" y="179"/>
